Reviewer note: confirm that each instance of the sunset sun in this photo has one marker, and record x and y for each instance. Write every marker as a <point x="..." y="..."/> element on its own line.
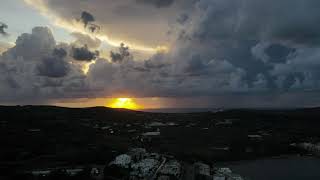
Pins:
<point x="126" y="103"/>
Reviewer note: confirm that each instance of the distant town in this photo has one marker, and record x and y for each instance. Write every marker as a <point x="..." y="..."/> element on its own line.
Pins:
<point x="45" y="142"/>
<point x="138" y="164"/>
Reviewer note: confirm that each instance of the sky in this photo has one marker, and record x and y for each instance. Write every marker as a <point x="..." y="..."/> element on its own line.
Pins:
<point x="162" y="53"/>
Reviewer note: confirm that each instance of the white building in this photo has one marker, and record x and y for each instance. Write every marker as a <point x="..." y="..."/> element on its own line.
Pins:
<point x="156" y="124"/>
<point x="224" y="170"/>
<point x="122" y="160"/>
<point x="170" y="169"/>
<point x="137" y="153"/>
<point x="156" y="133"/>
<point x="144" y="168"/>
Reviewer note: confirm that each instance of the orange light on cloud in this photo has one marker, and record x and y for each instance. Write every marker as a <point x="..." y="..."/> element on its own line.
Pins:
<point x="126" y="103"/>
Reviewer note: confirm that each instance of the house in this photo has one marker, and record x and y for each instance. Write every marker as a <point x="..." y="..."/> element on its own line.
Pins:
<point x="123" y="160"/>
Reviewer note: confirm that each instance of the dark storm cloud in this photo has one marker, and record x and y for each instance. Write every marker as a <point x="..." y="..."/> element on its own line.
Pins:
<point x="121" y="55"/>
<point x="3" y="26"/>
<point x="87" y="18"/>
<point x="33" y="46"/>
<point x="278" y="52"/>
<point x="59" y="52"/>
<point x="88" y="21"/>
<point x="84" y="54"/>
<point x="54" y="66"/>
<point x="157" y="3"/>
<point x="36" y="69"/>
<point x="224" y="47"/>
<point x="258" y="37"/>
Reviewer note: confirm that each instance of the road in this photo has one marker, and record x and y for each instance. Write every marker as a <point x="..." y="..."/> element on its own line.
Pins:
<point x="159" y="168"/>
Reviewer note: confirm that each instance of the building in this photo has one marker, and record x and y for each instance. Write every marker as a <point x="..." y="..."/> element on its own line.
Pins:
<point x="66" y="171"/>
<point x="255" y="137"/>
<point x="96" y="172"/>
<point x="225" y="174"/>
<point x="144" y="168"/>
<point x="41" y="173"/>
<point x="201" y="171"/>
<point x="123" y="160"/>
<point x="234" y="177"/>
<point x="154" y="156"/>
<point x="170" y="171"/>
<point x="219" y="177"/>
<point x="312" y="148"/>
<point x="137" y="154"/>
<point x="201" y="168"/>
<point x="224" y="170"/>
<point x="119" y="168"/>
<point x="156" y="133"/>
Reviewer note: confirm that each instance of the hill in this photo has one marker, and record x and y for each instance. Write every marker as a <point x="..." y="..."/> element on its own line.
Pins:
<point x="44" y="136"/>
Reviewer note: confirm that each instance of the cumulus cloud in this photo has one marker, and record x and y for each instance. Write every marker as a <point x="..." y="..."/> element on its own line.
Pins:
<point x="55" y="65"/>
<point x="86" y="18"/>
<point x="88" y="21"/>
<point x="32" y="47"/>
<point x="3" y="26"/>
<point x="219" y="47"/>
<point x="121" y="55"/>
<point x="84" y="54"/>
<point x="300" y="71"/>
<point x="256" y="37"/>
<point x="37" y="69"/>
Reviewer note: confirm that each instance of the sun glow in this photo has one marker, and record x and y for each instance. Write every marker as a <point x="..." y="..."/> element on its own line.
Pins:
<point x="126" y="103"/>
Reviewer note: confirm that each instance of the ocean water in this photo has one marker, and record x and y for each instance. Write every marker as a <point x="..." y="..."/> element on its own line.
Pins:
<point x="181" y="110"/>
<point x="286" y="168"/>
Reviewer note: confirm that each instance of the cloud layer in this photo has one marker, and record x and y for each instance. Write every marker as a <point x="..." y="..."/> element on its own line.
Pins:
<point x="218" y="48"/>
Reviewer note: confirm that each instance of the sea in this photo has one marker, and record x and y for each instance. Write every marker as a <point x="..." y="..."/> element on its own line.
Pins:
<point x="182" y="110"/>
<point x="291" y="167"/>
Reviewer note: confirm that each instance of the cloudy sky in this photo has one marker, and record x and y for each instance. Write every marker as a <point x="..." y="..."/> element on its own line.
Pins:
<point x="164" y="53"/>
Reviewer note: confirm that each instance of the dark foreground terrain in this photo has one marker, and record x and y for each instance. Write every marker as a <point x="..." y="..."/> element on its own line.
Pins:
<point x="34" y="137"/>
